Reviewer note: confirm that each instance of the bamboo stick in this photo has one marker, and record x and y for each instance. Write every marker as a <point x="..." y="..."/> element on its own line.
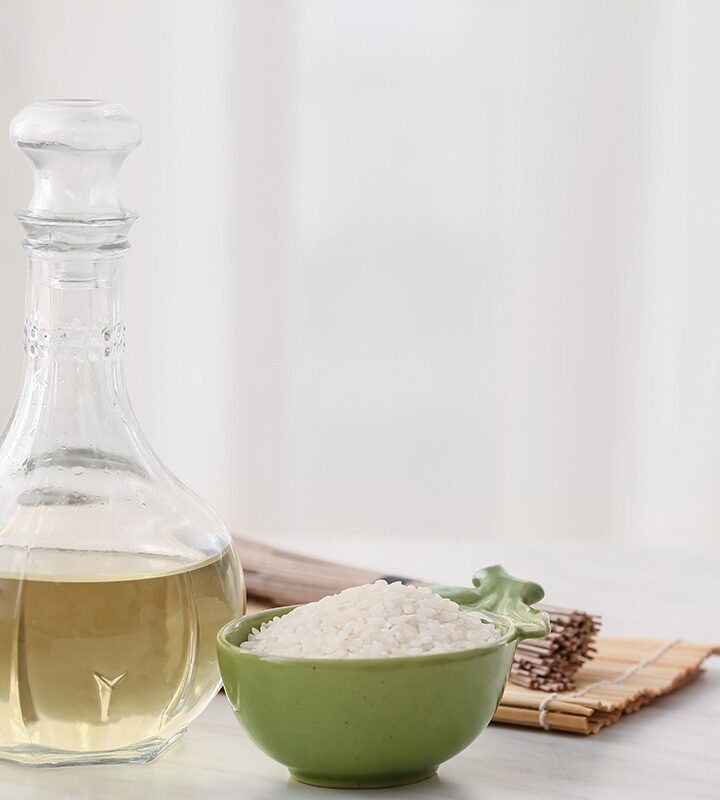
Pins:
<point x="516" y="697"/>
<point x="531" y="718"/>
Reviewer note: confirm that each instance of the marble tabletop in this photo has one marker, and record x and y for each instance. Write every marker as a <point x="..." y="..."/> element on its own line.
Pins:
<point x="670" y="749"/>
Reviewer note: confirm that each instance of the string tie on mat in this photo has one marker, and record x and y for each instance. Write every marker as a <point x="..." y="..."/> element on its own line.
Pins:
<point x="543" y="707"/>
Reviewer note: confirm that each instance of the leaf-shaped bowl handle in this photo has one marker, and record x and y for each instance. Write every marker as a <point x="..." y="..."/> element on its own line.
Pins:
<point x="496" y="592"/>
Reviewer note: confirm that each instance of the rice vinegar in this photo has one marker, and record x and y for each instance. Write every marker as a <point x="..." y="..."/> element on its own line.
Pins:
<point x="102" y="651"/>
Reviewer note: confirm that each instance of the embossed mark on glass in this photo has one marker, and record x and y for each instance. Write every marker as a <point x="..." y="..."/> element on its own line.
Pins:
<point x="114" y="576"/>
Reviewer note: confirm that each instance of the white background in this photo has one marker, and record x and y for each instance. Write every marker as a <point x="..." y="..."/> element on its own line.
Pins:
<point x="409" y="269"/>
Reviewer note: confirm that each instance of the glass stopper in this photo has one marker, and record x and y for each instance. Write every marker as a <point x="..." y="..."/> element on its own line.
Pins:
<point x="77" y="148"/>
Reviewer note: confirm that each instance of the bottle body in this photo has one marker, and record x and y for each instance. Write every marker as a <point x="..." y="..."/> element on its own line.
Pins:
<point x="114" y="576"/>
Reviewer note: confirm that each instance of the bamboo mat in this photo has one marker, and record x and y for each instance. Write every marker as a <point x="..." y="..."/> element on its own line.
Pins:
<point x="587" y="710"/>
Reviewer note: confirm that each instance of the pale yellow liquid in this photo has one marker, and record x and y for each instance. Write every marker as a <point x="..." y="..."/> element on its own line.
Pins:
<point x="110" y="650"/>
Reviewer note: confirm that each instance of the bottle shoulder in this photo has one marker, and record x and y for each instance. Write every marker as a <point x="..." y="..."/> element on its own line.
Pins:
<point x="84" y="500"/>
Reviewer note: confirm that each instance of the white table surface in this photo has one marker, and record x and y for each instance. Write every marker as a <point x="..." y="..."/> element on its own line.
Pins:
<point x="670" y="749"/>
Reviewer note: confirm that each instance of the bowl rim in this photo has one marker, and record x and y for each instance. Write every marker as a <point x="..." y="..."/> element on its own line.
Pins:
<point x="222" y="641"/>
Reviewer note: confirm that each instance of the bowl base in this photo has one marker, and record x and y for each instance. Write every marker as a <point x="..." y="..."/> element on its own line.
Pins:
<point x="369" y="782"/>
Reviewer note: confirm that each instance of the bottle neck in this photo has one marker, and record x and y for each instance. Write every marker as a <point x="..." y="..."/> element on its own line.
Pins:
<point x="73" y="395"/>
<point x="74" y="315"/>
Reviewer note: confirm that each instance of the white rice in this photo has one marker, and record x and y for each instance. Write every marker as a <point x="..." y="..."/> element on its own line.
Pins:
<point x="378" y="620"/>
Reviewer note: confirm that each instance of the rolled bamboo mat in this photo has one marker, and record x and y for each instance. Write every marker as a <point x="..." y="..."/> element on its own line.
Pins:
<point x="630" y="674"/>
<point x="284" y="578"/>
<point x="552" y="663"/>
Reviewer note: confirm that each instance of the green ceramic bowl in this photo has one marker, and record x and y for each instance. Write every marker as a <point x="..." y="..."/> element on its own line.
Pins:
<point x="380" y="721"/>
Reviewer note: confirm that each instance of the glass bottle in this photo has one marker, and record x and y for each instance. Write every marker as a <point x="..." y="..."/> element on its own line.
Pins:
<point x="114" y="576"/>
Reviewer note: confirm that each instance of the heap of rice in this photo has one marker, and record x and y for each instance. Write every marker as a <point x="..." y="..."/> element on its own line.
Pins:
<point x="377" y="620"/>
